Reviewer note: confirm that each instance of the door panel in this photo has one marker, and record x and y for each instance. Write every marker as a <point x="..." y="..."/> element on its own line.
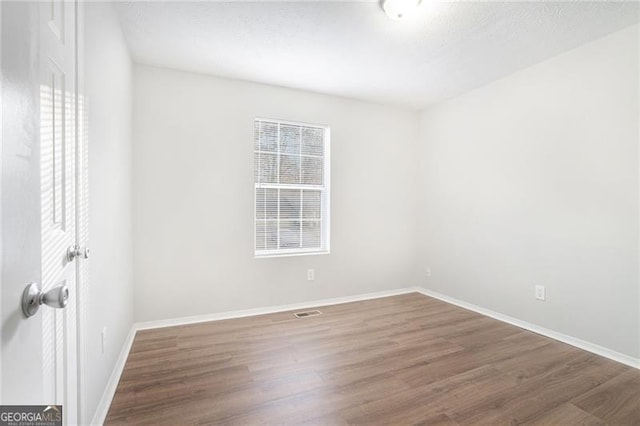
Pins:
<point x="58" y="194"/>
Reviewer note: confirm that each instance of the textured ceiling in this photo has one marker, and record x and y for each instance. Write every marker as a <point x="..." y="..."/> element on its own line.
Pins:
<point x="352" y="49"/>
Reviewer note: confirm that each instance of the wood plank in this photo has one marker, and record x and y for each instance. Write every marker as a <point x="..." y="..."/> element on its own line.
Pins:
<point x="566" y="414"/>
<point x="616" y="401"/>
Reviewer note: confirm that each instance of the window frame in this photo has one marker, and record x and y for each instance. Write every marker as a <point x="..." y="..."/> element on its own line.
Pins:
<point x="325" y="189"/>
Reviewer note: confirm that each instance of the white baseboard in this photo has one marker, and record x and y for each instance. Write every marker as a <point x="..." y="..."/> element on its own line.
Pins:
<point x="570" y="340"/>
<point x="110" y="390"/>
<point x="270" y="309"/>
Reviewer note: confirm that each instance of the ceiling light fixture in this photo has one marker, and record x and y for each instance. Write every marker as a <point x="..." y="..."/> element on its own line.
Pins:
<point x="400" y="9"/>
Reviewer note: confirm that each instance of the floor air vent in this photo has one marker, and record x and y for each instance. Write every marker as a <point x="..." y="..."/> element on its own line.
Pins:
<point x="307" y="314"/>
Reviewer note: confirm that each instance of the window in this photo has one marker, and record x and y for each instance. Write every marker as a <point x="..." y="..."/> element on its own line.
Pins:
<point x="291" y="177"/>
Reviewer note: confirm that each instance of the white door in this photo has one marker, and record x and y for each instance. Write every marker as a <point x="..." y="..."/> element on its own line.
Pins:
<point x="39" y="176"/>
<point x="58" y="130"/>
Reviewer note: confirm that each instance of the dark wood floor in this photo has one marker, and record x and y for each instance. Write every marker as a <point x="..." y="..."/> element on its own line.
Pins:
<point x="398" y="360"/>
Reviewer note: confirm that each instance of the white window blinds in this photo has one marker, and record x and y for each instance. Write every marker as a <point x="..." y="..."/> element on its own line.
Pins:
<point x="291" y="187"/>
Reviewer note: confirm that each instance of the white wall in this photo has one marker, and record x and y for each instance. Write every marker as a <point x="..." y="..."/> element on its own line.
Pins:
<point x="533" y="179"/>
<point x="193" y="197"/>
<point x="108" y="87"/>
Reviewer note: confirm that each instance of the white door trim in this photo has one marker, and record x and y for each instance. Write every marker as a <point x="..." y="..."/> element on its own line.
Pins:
<point x="81" y="227"/>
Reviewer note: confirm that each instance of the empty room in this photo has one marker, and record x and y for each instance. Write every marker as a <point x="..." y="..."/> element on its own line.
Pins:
<point x="320" y="212"/>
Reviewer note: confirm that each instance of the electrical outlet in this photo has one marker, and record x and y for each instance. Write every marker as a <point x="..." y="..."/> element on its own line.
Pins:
<point x="428" y="271"/>
<point x="311" y="274"/>
<point x="103" y="339"/>
<point x="540" y="292"/>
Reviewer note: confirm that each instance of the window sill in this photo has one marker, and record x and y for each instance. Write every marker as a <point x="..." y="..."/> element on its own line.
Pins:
<point x="290" y="254"/>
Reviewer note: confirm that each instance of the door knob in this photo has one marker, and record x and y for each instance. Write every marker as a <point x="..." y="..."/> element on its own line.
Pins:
<point x="75" y="251"/>
<point x="33" y="297"/>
